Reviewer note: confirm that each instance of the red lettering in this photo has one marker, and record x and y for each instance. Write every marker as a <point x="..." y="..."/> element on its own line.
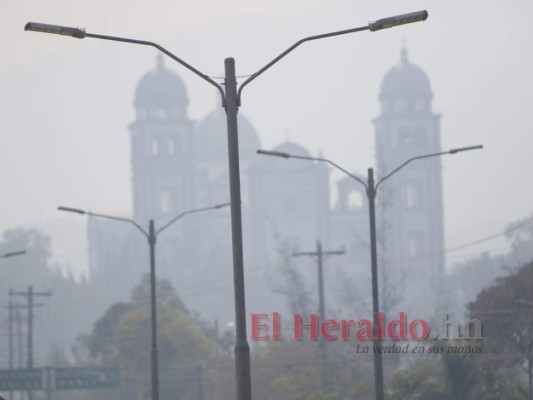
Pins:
<point x="298" y="326"/>
<point x="345" y="328"/>
<point x="381" y="325"/>
<point x="275" y="326"/>
<point x="365" y="330"/>
<point x="257" y="326"/>
<point x="424" y="329"/>
<point x="401" y="324"/>
<point x="329" y="324"/>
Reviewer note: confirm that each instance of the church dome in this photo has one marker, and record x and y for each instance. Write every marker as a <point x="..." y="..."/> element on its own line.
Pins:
<point x="212" y="138"/>
<point x="405" y="80"/>
<point x="161" y="88"/>
<point x="292" y="149"/>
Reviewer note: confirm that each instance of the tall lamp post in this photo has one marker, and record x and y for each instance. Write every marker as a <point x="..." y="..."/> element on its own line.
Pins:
<point x="231" y="101"/>
<point x="151" y="235"/>
<point x="371" y="187"/>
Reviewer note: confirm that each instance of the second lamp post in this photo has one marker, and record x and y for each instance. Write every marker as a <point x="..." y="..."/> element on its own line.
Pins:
<point x="151" y="236"/>
<point x="371" y="187"/>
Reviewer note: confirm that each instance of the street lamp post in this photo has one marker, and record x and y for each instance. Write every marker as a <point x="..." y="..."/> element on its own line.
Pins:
<point x="371" y="187"/>
<point x="231" y="101"/>
<point x="151" y="236"/>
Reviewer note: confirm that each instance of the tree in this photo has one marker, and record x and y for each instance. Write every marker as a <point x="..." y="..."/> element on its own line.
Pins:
<point x="122" y="337"/>
<point x="453" y="376"/>
<point x="506" y="312"/>
<point x="60" y="320"/>
<point x="290" y="369"/>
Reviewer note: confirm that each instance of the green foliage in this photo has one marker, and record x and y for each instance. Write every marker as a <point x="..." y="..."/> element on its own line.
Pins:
<point x="122" y="336"/>
<point x="422" y="382"/>
<point x="59" y="320"/>
<point x="506" y="312"/>
<point x="301" y="371"/>
<point x="454" y="377"/>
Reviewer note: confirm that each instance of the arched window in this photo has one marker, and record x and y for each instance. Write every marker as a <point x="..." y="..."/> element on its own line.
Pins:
<point x="355" y="200"/>
<point x="420" y="105"/>
<point x="165" y="202"/>
<point x="405" y="137"/>
<point x="141" y="113"/>
<point x="171" y="148"/>
<point x="290" y="205"/>
<point x="155" y="147"/>
<point x="400" y="107"/>
<point x="160" y="113"/>
<point x="413" y="195"/>
<point x="415" y="244"/>
<point x="421" y="136"/>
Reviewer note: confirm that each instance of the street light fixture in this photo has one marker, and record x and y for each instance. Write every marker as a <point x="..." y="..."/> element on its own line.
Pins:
<point x="231" y="101"/>
<point x="13" y="254"/>
<point x="371" y="189"/>
<point x="151" y="235"/>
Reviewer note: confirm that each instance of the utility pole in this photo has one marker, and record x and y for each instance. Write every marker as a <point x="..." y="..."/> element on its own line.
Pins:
<point x="10" y="333"/>
<point x="10" y="340"/>
<point x="319" y="255"/>
<point x="30" y="294"/>
<point x="20" y="352"/>
<point x="15" y="330"/>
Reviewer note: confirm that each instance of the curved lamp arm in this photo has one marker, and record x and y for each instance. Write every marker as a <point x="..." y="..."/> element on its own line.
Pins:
<point x="287" y="155"/>
<point x="189" y="212"/>
<point x="451" y="151"/>
<point x="81" y="34"/>
<point x="374" y="26"/>
<point x="79" y="211"/>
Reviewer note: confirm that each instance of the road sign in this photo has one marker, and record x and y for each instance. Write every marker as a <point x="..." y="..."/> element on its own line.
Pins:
<point x="21" y="379"/>
<point x="86" y="378"/>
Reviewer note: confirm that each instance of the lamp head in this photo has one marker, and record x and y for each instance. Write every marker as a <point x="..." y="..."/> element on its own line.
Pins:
<point x="56" y="29"/>
<point x="274" y="153"/>
<point x="397" y="20"/>
<point x="14" y="253"/>
<point x="459" y="149"/>
<point x="69" y="209"/>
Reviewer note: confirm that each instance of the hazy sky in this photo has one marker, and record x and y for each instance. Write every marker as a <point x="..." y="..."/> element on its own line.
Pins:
<point x="65" y="103"/>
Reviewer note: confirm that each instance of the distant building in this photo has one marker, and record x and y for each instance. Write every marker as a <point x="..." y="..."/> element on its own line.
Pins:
<point x="179" y="164"/>
<point x="411" y="202"/>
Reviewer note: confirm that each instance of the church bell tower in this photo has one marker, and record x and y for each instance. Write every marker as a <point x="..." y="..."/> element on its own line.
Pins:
<point x="410" y="203"/>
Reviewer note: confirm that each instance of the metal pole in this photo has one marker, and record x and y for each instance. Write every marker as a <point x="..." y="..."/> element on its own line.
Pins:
<point x="10" y="333"/>
<point x="30" y="334"/>
<point x="529" y="357"/>
<point x="153" y="304"/>
<point x="200" y="376"/>
<point x="319" y="254"/>
<point x="378" y="361"/>
<point x="48" y="383"/>
<point x="321" y="301"/>
<point x="322" y="312"/>
<point x="20" y="352"/>
<point x="242" y="349"/>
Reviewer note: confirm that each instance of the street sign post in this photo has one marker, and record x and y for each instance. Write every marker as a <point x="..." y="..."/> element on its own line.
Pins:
<point x="21" y="379"/>
<point x="86" y="378"/>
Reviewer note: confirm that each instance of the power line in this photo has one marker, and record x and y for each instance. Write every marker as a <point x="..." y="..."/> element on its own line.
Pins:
<point x="470" y="244"/>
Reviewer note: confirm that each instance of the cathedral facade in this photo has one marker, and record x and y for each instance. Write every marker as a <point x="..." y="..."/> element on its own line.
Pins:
<point x="179" y="164"/>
